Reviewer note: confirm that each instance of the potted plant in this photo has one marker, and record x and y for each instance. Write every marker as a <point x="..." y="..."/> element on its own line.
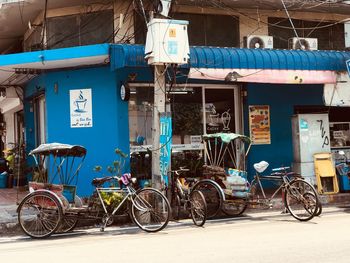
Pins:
<point x="112" y="199"/>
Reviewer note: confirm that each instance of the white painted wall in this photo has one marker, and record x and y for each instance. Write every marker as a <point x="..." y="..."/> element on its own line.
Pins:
<point x="10" y="128"/>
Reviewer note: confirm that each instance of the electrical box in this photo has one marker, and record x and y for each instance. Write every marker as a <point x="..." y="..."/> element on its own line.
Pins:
<point x="167" y="42"/>
<point x="310" y="134"/>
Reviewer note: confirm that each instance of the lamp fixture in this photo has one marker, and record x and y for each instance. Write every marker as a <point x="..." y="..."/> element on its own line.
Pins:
<point x="233" y="76"/>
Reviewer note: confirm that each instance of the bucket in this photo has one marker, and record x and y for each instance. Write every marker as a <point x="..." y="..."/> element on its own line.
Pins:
<point x="3" y="180"/>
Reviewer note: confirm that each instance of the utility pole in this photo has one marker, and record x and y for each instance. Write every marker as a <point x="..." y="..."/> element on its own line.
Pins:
<point x="166" y="44"/>
<point x="158" y="109"/>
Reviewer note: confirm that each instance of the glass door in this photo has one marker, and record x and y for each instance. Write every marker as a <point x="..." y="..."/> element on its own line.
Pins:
<point x="221" y="110"/>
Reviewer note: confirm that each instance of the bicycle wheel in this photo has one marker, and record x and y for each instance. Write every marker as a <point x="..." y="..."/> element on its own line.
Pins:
<point x="234" y="207"/>
<point x="70" y="221"/>
<point x="176" y="207"/>
<point x="39" y="214"/>
<point x="67" y="224"/>
<point x="150" y="210"/>
<point x="319" y="209"/>
<point x="212" y="197"/>
<point x="301" y="200"/>
<point x="198" y="208"/>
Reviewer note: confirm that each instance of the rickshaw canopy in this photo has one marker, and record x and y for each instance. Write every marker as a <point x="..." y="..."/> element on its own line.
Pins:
<point x="59" y="149"/>
<point x="226" y="137"/>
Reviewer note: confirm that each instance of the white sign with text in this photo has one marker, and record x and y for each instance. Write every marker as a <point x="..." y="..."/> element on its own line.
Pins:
<point x="80" y="108"/>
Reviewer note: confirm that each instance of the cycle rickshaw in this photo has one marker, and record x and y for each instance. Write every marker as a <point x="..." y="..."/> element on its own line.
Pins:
<point x="53" y="207"/>
<point x="227" y="189"/>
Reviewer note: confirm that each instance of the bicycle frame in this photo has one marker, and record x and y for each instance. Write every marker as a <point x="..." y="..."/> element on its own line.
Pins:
<point x="257" y="180"/>
<point x="130" y="193"/>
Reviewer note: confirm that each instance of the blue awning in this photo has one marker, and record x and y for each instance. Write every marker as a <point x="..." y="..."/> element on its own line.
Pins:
<point x="54" y="59"/>
<point x="123" y="55"/>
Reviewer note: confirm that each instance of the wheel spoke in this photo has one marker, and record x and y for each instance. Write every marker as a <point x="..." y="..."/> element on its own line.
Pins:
<point x="150" y="210"/>
<point x="39" y="214"/>
<point x="301" y="200"/>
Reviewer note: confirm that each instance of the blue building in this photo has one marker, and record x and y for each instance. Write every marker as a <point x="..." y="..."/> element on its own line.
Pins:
<point x="62" y="81"/>
<point x="285" y="81"/>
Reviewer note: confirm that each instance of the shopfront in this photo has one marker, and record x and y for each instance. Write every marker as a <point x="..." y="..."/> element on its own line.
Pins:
<point x="196" y="109"/>
<point x="214" y="93"/>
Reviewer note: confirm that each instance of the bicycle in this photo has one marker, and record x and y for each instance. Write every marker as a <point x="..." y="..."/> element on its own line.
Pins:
<point x="226" y="187"/>
<point x="192" y="201"/>
<point x="46" y="209"/>
<point x="292" y="176"/>
<point x="299" y="197"/>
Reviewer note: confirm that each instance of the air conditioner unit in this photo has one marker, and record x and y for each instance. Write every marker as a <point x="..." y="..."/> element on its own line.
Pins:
<point x="256" y="41"/>
<point x="303" y="43"/>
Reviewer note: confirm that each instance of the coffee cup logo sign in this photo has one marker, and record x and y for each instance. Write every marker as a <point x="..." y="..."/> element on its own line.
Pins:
<point x="80" y="108"/>
<point x="80" y="103"/>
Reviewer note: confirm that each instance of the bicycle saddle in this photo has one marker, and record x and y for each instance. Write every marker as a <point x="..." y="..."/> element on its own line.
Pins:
<point x="99" y="181"/>
<point x="261" y="166"/>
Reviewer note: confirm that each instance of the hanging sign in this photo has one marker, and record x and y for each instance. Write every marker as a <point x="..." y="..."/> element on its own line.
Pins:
<point x="165" y="141"/>
<point x="259" y="124"/>
<point x="80" y="108"/>
<point x="348" y="66"/>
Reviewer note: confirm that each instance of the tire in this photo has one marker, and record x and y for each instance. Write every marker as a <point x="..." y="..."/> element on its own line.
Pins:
<point x="319" y="209"/>
<point x="40" y="214"/>
<point x="212" y="196"/>
<point x="234" y="207"/>
<point x="67" y="224"/>
<point x="301" y="200"/>
<point x="150" y="210"/>
<point x="198" y="207"/>
<point x="176" y="207"/>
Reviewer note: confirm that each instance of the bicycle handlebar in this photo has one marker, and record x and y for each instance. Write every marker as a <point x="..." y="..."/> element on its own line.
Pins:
<point x="280" y="169"/>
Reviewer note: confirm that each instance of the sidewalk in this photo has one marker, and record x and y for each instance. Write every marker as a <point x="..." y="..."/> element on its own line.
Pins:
<point x="9" y="198"/>
<point x="8" y="205"/>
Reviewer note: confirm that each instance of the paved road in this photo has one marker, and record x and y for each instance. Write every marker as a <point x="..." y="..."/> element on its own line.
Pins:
<point x="263" y="237"/>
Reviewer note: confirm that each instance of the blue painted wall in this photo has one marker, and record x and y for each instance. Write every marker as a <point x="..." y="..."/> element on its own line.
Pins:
<point x="281" y="99"/>
<point x="109" y="113"/>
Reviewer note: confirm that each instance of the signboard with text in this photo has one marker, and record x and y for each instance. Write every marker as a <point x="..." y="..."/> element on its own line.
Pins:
<point x="80" y="108"/>
<point x="165" y="141"/>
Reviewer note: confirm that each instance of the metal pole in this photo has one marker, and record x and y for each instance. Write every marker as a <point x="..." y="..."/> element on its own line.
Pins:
<point x="158" y="108"/>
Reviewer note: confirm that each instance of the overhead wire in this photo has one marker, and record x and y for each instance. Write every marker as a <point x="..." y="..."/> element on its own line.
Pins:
<point x="291" y="22"/>
<point x="227" y="8"/>
<point x="95" y="16"/>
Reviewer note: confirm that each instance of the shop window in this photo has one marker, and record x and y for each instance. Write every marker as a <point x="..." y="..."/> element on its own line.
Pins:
<point x="186" y="114"/>
<point x="203" y="30"/>
<point x="186" y="108"/>
<point x="81" y="29"/>
<point x="219" y="110"/>
<point x="190" y="114"/>
<point x="329" y="38"/>
<point x="195" y="110"/>
<point x="340" y="134"/>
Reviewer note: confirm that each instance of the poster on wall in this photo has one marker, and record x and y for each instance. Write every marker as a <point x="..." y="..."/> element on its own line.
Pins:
<point x="80" y="108"/>
<point x="259" y="124"/>
<point x="165" y="147"/>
